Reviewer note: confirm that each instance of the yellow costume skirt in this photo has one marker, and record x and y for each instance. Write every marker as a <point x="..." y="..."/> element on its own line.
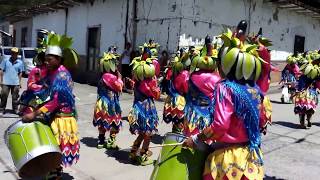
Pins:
<point x="65" y="130"/>
<point x="235" y="163"/>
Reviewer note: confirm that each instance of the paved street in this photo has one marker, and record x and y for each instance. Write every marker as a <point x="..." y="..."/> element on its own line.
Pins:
<point x="289" y="152"/>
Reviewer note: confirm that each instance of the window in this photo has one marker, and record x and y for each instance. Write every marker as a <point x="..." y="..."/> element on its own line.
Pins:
<point x="299" y="44"/>
<point x="29" y="54"/>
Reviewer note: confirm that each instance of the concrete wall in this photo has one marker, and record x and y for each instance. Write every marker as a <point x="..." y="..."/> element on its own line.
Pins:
<point x="18" y="26"/>
<point x="108" y="14"/>
<point x="5" y="40"/>
<point x="54" y="21"/>
<point x="190" y="21"/>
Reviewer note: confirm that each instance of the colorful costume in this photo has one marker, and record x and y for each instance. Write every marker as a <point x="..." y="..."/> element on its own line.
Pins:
<point x="60" y="113"/>
<point x="238" y="112"/>
<point x="107" y="111"/>
<point x="198" y="111"/>
<point x="306" y="99"/>
<point x="143" y="118"/>
<point x="177" y="88"/>
<point x="35" y="94"/>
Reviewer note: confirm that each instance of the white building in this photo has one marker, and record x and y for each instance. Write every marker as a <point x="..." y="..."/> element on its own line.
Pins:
<point x="95" y="25"/>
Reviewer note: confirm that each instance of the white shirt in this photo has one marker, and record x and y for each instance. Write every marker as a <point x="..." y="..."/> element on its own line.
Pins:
<point x="126" y="57"/>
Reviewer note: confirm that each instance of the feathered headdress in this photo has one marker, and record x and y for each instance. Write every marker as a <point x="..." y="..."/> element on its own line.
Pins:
<point x="204" y="58"/>
<point x="146" y="65"/>
<point x="69" y="55"/>
<point x="239" y="58"/>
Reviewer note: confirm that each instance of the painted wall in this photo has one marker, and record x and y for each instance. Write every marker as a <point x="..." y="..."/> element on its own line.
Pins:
<point x="18" y="27"/>
<point x="190" y="21"/>
<point x="108" y="14"/>
<point x="54" y="21"/>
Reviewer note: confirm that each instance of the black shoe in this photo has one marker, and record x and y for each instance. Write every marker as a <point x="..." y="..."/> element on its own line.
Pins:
<point x="309" y="124"/>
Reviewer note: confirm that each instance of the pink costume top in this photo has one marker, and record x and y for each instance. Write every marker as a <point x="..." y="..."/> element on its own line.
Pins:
<point x="226" y="126"/>
<point x="36" y="74"/>
<point x="293" y="68"/>
<point x="60" y="90"/>
<point x="264" y="80"/>
<point x="205" y="81"/>
<point x="149" y="87"/>
<point x="112" y="82"/>
<point x="180" y="82"/>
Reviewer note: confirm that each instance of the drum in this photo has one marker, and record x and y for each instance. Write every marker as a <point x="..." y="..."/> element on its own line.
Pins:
<point x="33" y="148"/>
<point x="175" y="162"/>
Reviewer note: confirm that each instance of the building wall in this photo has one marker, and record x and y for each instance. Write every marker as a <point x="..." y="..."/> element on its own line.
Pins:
<point x="5" y="40"/>
<point x="18" y="26"/>
<point x="53" y="21"/>
<point x="108" y="14"/>
<point x="192" y="20"/>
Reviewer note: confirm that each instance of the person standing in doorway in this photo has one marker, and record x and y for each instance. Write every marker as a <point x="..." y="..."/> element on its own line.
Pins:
<point x="10" y="80"/>
<point x="125" y="60"/>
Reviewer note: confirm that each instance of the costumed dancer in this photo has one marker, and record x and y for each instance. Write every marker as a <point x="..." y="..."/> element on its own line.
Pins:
<point x="289" y="76"/>
<point x="36" y="87"/>
<point x="264" y="80"/>
<point x="60" y="111"/>
<point x="306" y="99"/>
<point x="238" y="114"/>
<point x="204" y="76"/>
<point x="143" y="117"/>
<point x="177" y="88"/>
<point x="107" y="111"/>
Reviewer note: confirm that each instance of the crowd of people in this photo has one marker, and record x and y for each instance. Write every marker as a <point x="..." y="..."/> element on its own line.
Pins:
<point x="216" y="98"/>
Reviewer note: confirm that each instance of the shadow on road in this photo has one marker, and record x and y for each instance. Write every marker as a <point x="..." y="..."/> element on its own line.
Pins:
<point x="278" y="102"/>
<point x="266" y="177"/>
<point x="157" y="139"/>
<point x="66" y="176"/>
<point x="288" y="124"/>
<point x="122" y="155"/>
<point x="89" y="141"/>
<point x="125" y="118"/>
<point x="316" y="124"/>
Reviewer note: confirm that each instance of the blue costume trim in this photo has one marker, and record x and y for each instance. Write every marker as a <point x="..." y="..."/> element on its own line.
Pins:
<point x="145" y="116"/>
<point x="111" y="104"/>
<point x="62" y="84"/>
<point x="196" y="112"/>
<point x="246" y="104"/>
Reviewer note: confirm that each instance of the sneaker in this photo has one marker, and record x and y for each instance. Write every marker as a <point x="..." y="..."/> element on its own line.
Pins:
<point x="100" y="146"/>
<point x="309" y="124"/>
<point x="144" y="160"/>
<point x="110" y="144"/>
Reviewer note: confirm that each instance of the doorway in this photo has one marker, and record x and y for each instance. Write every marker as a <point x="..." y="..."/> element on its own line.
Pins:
<point x="93" y="48"/>
<point x="299" y="44"/>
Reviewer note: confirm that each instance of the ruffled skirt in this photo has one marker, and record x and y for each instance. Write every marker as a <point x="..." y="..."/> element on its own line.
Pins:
<point x="233" y="163"/>
<point x="143" y="117"/>
<point x="65" y="130"/>
<point x="196" y="119"/>
<point x="107" y="113"/>
<point x="305" y="102"/>
<point x="174" y="109"/>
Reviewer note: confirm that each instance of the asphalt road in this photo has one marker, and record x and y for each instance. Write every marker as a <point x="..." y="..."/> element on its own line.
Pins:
<point x="289" y="152"/>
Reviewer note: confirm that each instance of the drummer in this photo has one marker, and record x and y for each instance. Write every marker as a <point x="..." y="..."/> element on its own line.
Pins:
<point x="60" y="111"/>
<point x="238" y="113"/>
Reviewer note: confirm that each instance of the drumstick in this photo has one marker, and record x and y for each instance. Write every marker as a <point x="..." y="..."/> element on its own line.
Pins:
<point x="164" y="145"/>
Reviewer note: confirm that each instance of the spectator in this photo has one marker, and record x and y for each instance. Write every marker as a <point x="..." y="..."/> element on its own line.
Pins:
<point x="10" y="80"/>
<point x="125" y="61"/>
<point x="163" y="61"/>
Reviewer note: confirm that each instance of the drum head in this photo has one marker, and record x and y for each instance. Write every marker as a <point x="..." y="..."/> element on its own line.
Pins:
<point x="41" y="165"/>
